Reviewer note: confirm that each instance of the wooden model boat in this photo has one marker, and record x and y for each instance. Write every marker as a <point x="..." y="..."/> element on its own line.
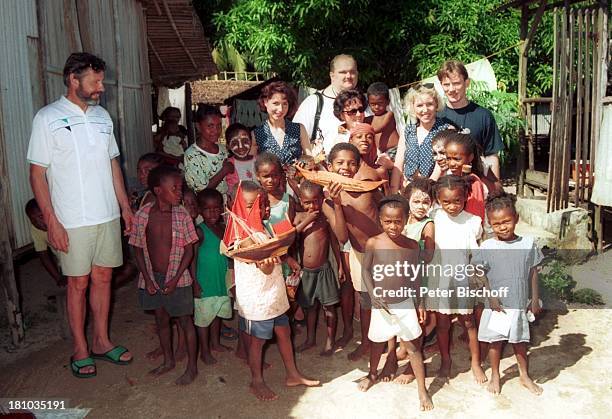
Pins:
<point x="324" y="178"/>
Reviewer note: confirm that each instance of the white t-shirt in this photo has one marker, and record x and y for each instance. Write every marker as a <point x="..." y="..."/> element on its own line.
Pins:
<point x="76" y="147"/>
<point x="259" y="296"/>
<point x="328" y="124"/>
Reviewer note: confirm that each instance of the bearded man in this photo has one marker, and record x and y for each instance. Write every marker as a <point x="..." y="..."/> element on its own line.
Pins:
<point x="77" y="181"/>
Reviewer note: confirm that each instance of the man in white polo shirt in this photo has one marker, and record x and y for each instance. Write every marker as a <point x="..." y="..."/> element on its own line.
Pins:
<point x="76" y="178"/>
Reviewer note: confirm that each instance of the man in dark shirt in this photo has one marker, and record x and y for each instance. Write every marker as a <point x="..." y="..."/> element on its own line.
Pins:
<point x="469" y="116"/>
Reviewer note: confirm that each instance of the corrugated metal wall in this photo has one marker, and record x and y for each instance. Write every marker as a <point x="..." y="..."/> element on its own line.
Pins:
<point x="18" y="31"/>
<point x="68" y="26"/>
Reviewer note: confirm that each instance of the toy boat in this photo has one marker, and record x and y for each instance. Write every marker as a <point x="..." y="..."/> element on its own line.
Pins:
<point x="324" y="178"/>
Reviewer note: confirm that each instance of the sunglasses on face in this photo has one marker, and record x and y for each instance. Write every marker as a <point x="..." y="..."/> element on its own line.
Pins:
<point x="425" y="85"/>
<point x="354" y="112"/>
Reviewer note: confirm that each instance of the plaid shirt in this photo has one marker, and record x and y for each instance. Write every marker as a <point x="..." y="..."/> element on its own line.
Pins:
<point x="183" y="234"/>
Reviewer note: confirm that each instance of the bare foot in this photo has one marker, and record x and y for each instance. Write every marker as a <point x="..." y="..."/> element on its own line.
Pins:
<point x="344" y="340"/>
<point x="361" y="351"/>
<point x="220" y="348"/>
<point x="262" y="392"/>
<point x="207" y="358"/>
<point x="154" y="354"/>
<point x="300" y="380"/>
<point x="328" y="352"/>
<point x="366" y="382"/>
<point x="162" y="369"/>
<point x="404" y="378"/>
<point x="305" y="346"/>
<point x="528" y="383"/>
<point x="479" y="375"/>
<point x="445" y="369"/>
<point x="180" y="354"/>
<point x="425" y="401"/>
<point x="388" y="372"/>
<point x="494" y="386"/>
<point x="186" y="378"/>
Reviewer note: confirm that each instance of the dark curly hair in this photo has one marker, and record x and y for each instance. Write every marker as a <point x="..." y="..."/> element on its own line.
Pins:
<point x="452" y="182"/>
<point x="346" y="97"/>
<point x="343" y="147"/>
<point x="500" y="200"/>
<point x="418" y="183"/>
<point x="278" y="87"/>
<point x="205" y="110"/>
<point x="394" y="201"/>
<point x="209" y="193"/>
<point x="469" y="146"/>
<point x="267" y="158"/>
<point x="158" y="174"/>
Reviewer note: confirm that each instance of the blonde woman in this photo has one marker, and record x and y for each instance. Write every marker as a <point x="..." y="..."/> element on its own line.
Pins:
<point x="414" y="154"/>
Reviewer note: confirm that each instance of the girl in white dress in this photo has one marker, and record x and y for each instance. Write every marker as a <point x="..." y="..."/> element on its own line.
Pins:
<point x="457" y="232"/>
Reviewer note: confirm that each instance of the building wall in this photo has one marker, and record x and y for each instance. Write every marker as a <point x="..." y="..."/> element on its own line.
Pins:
<point x="31" y="76"/>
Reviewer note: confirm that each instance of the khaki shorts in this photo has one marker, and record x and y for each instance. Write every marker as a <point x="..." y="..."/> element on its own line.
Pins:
<point x="98" y="245"/>
<point x="355" y="262"/>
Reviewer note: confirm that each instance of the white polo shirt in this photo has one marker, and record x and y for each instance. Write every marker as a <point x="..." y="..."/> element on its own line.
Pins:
<point x="76" y="147"/>
<point x="328" y="124"/>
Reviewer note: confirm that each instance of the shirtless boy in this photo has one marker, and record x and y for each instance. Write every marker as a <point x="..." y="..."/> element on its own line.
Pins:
<point x="383" y="121"/>
<point x="361" y="215"/>
<point x="163" y="237"/>
<point x="392" y="314"/>
<point x="318" y="285"/>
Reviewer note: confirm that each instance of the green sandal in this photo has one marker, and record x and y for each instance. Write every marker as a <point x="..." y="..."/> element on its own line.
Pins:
<point x="114" y="355"/>
<point x="75" y="367"/>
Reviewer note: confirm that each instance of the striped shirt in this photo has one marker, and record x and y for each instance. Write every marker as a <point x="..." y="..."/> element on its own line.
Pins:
<point x="183" y="234"/>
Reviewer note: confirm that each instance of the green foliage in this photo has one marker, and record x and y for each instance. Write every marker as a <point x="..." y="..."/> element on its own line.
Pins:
<point x="504" y="106"/>
<point x="588" y="296"/>
<point x="557" y="280"/>
<point x="393" y="41"/>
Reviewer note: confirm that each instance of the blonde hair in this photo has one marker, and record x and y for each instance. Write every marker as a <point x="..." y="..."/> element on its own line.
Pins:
<point x="418" y="91"/>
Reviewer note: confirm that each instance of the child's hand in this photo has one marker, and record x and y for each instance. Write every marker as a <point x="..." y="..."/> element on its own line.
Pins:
<point x="378" y="303"/>
<point x="385" y="161"/>
<point x="267" y="265"/>
<point x="310" y="217"/>
<point x="170" y="287"/>
<point x="535" y="307"/>
<point x="334" y="189"/>
<point x="290" y="171"/>
<point x="150" y="287"/>
<point x="227" y="167"/>
<point x="294" y="266"/>
<point x="341" y="275"/>
<point x="422" y="313"/>
<point x="495" y="304"/>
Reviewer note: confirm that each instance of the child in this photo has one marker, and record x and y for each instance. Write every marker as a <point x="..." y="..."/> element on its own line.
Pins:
<point x="262" y="302"/>
<point x="463" y="158"/>
<point x="318" y="283"/>
<point x="239" y="142"/>
<point x="394" y="315"/>
<point x="141" y="194"/>
<point x="361" y="214"/>
<point x="438" y="146"/>
<point x="269" y="173"/>
<point x="46" y="253"/>
<point x="362" y="137"/>
<point x="457" y="232"/>
<point x="163" y="236"/>
<point x="171" y="140"/>
<point x="512" y="261"/>
<point x="211" y="300"/>
<point x="383" y="121"/>
<point x="420" y="228"/>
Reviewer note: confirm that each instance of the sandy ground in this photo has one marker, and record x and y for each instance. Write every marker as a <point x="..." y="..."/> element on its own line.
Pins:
<point x="569" y="357"/>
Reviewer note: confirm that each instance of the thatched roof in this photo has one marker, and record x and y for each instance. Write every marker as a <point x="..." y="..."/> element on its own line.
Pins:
<point x="178" y="50"/>
<point x="215" y="92"/>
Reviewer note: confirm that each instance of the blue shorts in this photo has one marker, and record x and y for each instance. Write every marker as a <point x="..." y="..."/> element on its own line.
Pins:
<point x="262" y="329"/>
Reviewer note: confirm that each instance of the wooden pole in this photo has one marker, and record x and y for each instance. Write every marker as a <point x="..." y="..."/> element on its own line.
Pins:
<point x="586" y="126"/>
<point x="555" y="112"/>
<point x="522" y="94"/>
<point x="120" y="92"/>
<point x="7" y="273"/>
<point x="189" y="114"/>
<point x="569" y="114"/>
<point x="579" y="110"/>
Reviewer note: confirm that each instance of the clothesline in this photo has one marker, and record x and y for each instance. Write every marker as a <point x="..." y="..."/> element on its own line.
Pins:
<point x="483" y="58"/>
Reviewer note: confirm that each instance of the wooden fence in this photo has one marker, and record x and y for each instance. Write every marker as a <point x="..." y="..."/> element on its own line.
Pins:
<point x="578" y="89"/>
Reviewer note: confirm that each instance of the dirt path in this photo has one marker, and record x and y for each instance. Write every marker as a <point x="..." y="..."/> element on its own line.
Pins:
<point x="569" y="358"/>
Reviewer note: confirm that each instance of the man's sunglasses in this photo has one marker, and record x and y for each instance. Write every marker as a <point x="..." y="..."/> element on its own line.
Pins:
<point x="354" y="112"/>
